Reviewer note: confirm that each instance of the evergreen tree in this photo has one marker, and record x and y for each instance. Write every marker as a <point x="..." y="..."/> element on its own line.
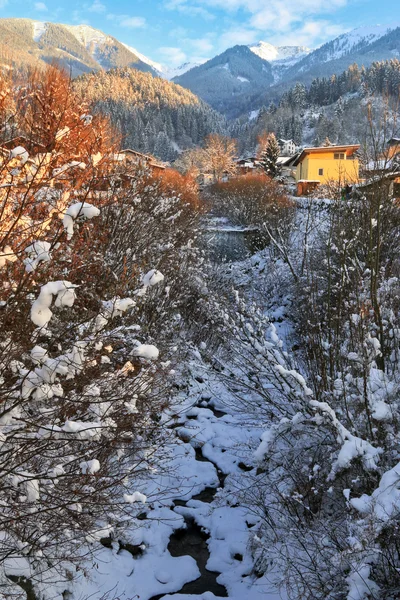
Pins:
<point x="269" y="158"/>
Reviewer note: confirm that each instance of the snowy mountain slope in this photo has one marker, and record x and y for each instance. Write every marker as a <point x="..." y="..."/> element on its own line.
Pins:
<point x="283" y="66"/>
<point x="80" y="48"/>
<point x="172" y="72"/>
<point x="354" y="46"/>
<point x="39" y="29"/>
<point x="155" y="65"/>
<point x="356" y="39"/>
<point x="229" y="81"/>
<point x="281" y="54"/>
<point x="164" y="70"/>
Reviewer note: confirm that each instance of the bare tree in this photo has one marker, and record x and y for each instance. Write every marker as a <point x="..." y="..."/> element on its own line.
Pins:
<point x="219" y="155"/>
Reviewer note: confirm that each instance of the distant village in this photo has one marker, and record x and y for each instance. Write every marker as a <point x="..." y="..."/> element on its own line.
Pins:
<point x="301" y="170"/>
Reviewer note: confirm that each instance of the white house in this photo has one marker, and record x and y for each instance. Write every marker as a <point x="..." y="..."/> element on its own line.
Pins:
<point x="287" y="147"/>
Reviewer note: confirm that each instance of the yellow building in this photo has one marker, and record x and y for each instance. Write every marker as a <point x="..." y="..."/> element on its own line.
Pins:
<point x="330" y="163"/>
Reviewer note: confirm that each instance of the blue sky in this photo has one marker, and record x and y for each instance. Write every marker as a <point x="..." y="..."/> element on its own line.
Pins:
<point x="175" y="31"/>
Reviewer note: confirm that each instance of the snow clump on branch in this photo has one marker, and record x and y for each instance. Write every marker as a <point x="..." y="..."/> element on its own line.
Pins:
<point x="65" y="296"/>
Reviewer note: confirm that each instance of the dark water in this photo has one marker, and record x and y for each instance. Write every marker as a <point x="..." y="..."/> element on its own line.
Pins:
<point x="192" y="541"/>
<point x="232" y="245"/>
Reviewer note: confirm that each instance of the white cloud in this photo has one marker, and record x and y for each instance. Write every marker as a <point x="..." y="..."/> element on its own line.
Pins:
<point x="314" y="33"/>
<point x="201" y="45"/>
<point x="97" y="7"/>
<point x="133" y="22"/>
<point x="246" y="21"/>
<point x="172" y="56"/>
<point x="236" y="37"/>
<point x="188" y="8"/>
<point x="40" y="6"/>
<point x="178" y="32"/>
<point x="127" y="21"/>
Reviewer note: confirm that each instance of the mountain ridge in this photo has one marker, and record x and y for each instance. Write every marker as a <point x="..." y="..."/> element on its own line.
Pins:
<point x="362" y="46"/>
<point x="79" y="48"/>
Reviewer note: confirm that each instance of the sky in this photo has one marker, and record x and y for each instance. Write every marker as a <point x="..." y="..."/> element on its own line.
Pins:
<point x="173" y="32"/>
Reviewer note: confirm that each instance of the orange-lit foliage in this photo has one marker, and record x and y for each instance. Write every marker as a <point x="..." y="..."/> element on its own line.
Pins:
<point x="67" y="151"/>
<point x="52" y="115"/>
<point x="256" y="187"/>
<point x="252" y="200"/>
<point x="262" y="140"/>
<point x="173" y="183"/>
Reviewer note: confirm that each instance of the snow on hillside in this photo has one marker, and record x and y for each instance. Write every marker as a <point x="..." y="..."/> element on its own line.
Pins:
<point x="87" y="35"/>
<point x="361" y="35"/>
<point x="155" y="65"/>
<point x="39" y="28"/>
<point x="171" y="72"/>
<point x="164" y="70"/>
<point x="272" y="53"/>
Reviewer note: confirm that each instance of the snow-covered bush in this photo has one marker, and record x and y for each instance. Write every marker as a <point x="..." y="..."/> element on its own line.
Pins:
<point x="328" y="479"/>
<point x="83" y="379"/>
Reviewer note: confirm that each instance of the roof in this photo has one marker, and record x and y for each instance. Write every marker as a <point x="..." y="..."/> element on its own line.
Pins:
<point x="285" y="160"/>
<point x="378" y="178"/>
<point x="150" y="159"/>
<point x="136" y="153"/>
<point x="247" y="159"/>
<point x="322" y="149"/>
<point x="394" y="141"/>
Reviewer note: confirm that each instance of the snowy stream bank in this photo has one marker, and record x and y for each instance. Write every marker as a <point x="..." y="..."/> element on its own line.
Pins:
<point x="193" y="538"/>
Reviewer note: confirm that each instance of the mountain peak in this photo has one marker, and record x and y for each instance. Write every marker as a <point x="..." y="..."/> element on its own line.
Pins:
<point x="271" y="53"/>
<point x="79" y="48"/>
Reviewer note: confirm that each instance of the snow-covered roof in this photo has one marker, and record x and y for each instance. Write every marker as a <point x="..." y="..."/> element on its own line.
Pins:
<point x="308" y="181"/>
<point x="136" y="153"/>
<point x="348" y="148"/>
<point x="284" y="160"/>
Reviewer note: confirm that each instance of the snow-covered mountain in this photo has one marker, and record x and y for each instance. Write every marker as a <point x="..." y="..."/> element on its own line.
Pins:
<point x="171" y="72"/>
<point x="163" y="70"/>
<point x="281" y="54"/>
<point x="354" y="40"/>
<point x="155" y="65"/>
<point x="362" y="45"/>
<point x="230" y="80"/>
<point x="80" y="48"/>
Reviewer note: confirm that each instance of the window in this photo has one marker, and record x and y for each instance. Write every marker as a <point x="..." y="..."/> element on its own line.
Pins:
<point x="338" y="156"/>
<point x="320" y="171"/>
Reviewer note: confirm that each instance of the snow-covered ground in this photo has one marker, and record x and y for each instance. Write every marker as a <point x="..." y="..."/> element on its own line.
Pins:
<point x="210" y="448"/>
<point x="200" y="475"/>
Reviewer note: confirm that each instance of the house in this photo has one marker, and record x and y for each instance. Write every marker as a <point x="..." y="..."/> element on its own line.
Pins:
<point x="287" y="147"/>
<point x="247" y="165"/>
<point x="384" y="184"/>
<point x="140" y="159"/>
<point x="326" y="164"/>
<point x="288" y="171"/>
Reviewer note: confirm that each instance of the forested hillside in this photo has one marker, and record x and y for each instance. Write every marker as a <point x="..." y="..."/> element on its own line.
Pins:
<point x="154" y="115"/>
<point x="334" y="107"/>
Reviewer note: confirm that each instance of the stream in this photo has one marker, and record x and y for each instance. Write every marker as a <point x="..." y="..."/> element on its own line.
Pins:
<point x="225" y="242"/>
<point x="192" y="540"/>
